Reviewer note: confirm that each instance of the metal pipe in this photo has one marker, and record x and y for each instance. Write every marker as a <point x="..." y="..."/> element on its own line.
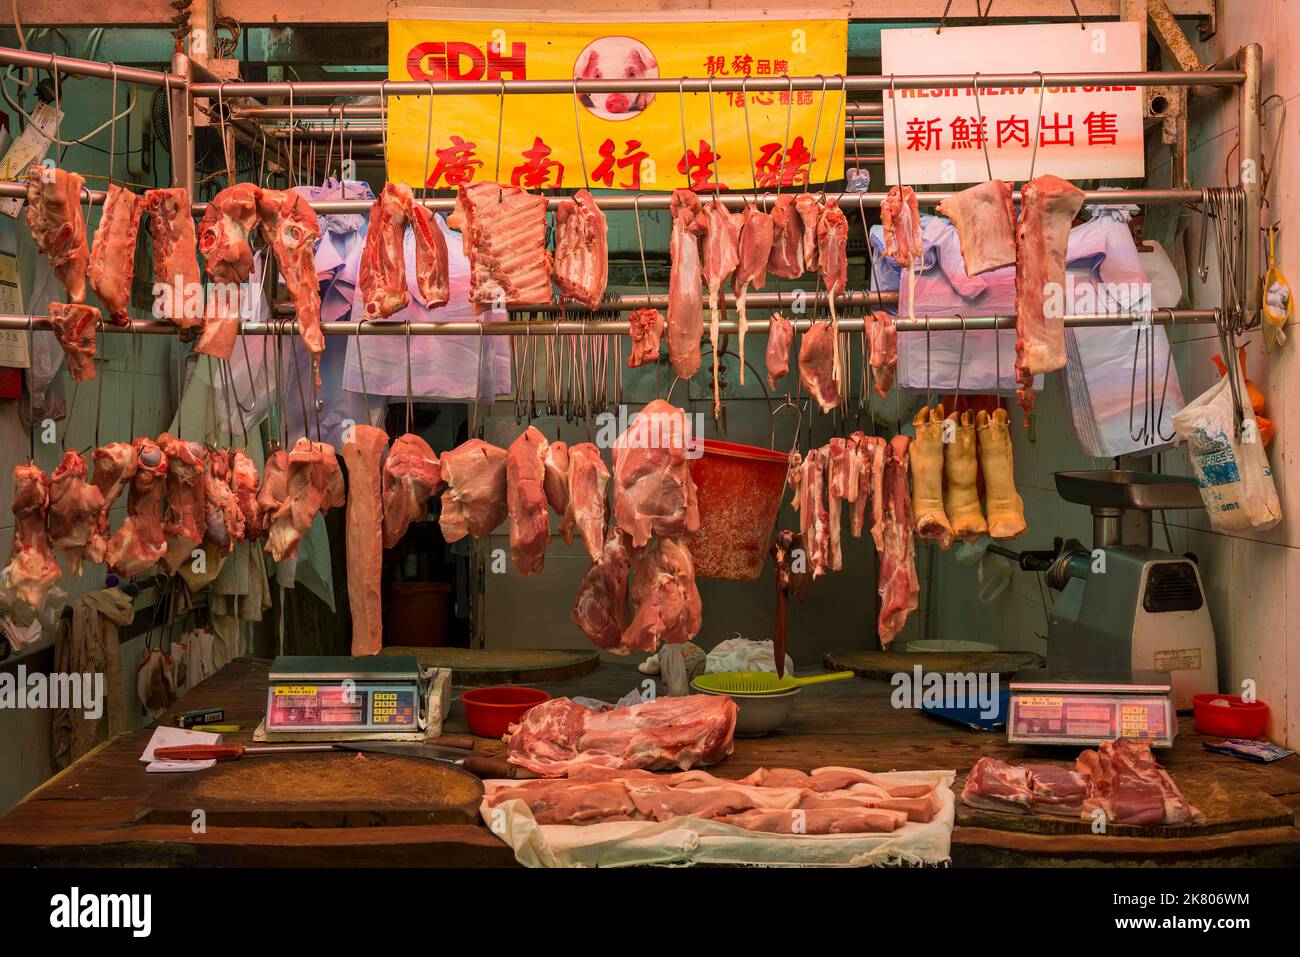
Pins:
<point x="853" y="299"/>
<point x="71" y="66"/>
<point x="181" y="128"/>
<point x="1251" y="59"/>
<point x="716" y="85"/>
<point x="614" y="327"/>
<point x="656" y="201"/>
<point x="865" y="109"/>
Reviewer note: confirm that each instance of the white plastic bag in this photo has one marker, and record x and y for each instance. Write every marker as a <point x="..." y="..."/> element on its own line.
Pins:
<point x="743" y="654"/>
<point x="1233" y="474"/>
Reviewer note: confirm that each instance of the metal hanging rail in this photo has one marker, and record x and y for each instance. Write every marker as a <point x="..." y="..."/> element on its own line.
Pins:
<point x="1165" y="317"/>
<point x="387" y="88"/>
<point x="657" y="201"/>
<point x="72" y="66"/>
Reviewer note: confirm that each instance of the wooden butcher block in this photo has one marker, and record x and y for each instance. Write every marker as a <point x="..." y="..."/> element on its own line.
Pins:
<point x="481" y="667"/>
<point x="330" y="789"/>
<point x="883" y="665"/>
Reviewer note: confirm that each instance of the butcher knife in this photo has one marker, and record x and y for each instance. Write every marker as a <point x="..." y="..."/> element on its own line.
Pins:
<point x="479" y="765"/>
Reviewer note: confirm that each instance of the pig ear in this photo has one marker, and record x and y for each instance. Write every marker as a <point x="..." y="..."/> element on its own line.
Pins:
<point x="643" y="62"/>
<point x="587" y="67"/>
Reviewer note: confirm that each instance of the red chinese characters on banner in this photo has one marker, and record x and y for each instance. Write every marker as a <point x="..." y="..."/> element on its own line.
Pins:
<point x="538" y="171"/>
<point x="771" y="168"/>
<point x="631" y="160"/>
<point x="698" y="167"/>
<point x="743" y="64"/>
<point x="1098" y="128"/>
<point x="456" y="165"/>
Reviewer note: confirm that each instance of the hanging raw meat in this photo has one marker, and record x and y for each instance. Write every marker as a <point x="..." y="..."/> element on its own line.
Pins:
<point x="878" y="449"/>
<point x="786" y="257"/>
<point x="223" y="519"/>
<point x="653" y="490"/>
<point x="503" y="230"/>
<point x="186" y="513"/>
<point x="115" y="467"/>
<point x="74" y="325"/>
<point x="581" y="250"/>
<point x="475" y="500"/>
<point x="381" y="280"/>
<point x="588" y="478"/>
<point x="112" y="255"/>
<point x="58" y="228"/>
<point x="668" y="602"/>
<point x="290" y="228"/>
<point x="833" y="264"/>
<point x="926" y="465"/>
<point x="274" y="489"/>
<point x="817" y="365"/>
<point x="791" y="582"/>
<point x="901" y="218"/>
<point x="313" y="483"/>
<point x="363" y="537"/>
<point x="840" y="488"/>
<point x="898" y="585"/>
<point x="777" y="357"/>
<point x="556" y="486"/>
<point x="411" y="475"/>
<point x="646" y="327"/>
<point x="809" y="488"/>
<point x="882" y="335"/>
<point x="755" y="246"/>
<point x="721" y="254"/>
<point x="985" y="219"/>
<point x="175" y="259"/>
<point x="223" y="240"/>
<point x="243" y="482"/>
<point x="685" y="305"/>
<point x="382" y="276"/>
<point x="1006" y="510"/>
<point x="530" y="529"/>
<point x="140" y="543"/>
<point x="75" y="504"/>
<point x="809" y="210"/>
<point x="1048" y="206"/>
<point x="961" y="497"/>
<point x="31" y="570"/>
<point x="868" y="463"/>
<point x="601" y="608"/>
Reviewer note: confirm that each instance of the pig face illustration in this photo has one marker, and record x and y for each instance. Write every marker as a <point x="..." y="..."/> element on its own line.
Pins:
<point x="616" y="58"/>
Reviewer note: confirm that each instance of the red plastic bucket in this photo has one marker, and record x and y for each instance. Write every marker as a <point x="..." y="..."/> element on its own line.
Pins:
<point x="740" y="495"/>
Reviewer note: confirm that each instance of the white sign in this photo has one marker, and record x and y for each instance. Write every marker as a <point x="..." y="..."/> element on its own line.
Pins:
<point x="30" y="147"/>
<point x="1083" y="132"/>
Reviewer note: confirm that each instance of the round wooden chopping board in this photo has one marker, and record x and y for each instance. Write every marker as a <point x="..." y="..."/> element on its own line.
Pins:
<point x="480" y="667"/>
<point x="885" y="664"/>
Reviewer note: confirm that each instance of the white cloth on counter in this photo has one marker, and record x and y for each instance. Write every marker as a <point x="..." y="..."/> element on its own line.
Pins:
<point x="744" y="654"/>
<point x="689" y="840"/>
<point x="448" y="368"/>
<point x="165" y="736"/>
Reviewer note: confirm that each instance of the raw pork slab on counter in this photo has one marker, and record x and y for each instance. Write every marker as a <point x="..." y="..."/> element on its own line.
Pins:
<point x="1121" y="779"/>
<point x="561" y="736"/>
<point x="830" y="817"/>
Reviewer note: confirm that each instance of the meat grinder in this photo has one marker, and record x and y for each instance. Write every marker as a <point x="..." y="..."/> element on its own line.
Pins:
<point x="1127" y="607"/>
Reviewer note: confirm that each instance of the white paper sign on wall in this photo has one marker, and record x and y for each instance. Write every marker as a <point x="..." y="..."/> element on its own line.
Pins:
<point x="1083" y="131"/>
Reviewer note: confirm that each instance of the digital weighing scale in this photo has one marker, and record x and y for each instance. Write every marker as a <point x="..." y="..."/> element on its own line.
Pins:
<point x="333" y="694"/>
<point x="1085" y="710"/>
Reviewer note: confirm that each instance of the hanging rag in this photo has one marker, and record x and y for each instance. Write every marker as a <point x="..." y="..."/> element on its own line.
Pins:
<point x="87" y="643"/>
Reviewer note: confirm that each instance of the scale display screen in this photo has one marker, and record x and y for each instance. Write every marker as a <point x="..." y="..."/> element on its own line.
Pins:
<point x="343" y="706"/>
<point x="1089" y="719"/>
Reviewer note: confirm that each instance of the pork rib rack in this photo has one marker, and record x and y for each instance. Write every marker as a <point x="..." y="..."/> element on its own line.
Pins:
<point x="503" y="230"/>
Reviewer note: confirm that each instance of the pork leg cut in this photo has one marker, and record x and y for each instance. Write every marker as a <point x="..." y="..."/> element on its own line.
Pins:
<point x="475" y="500"/>
<point x="74" y="506"/>
<point x="31" y="570"/>
<point x="925" y="457"/>
<point x="601" y="607"/>
<point x="654" y="493"/>
<point x="411" y="475"/>
<point x="139" y="543"/>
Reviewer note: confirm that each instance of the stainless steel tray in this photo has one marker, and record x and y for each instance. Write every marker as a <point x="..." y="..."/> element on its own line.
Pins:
<point x="1144" y="491"/>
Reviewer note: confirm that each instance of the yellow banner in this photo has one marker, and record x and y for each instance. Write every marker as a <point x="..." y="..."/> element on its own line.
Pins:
<point x="629" y="141"/>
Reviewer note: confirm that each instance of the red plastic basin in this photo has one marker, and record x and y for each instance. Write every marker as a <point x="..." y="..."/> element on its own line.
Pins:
<point x="491" y="711"/>
<point x="1240" y="719"/>
<point x="739" y="488"/>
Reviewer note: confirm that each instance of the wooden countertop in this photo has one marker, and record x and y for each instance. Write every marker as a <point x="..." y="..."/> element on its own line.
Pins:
<point x="106" y="810"/>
